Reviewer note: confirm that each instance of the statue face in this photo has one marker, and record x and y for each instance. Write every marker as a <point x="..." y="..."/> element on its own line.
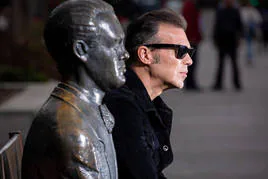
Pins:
<point x="109" y="53"/>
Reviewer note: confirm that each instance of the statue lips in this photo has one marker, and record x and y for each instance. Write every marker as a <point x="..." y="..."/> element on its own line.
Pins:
<point x="122" y="68"/>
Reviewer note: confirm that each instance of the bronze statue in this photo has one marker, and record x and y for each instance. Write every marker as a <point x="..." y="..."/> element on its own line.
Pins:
<point x="71" y="134"/>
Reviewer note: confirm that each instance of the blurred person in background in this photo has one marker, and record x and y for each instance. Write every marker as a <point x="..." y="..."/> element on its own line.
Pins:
<point x="191" y="13"/>
<point x="251" y="19"/>
<point x="148" y="5"/>
<point x="228" y="29"/>
<point x="128" y="10"/>
<point x="174" y="5"/>
<point x="263" y="8"/>
<point x="3" y="19"/>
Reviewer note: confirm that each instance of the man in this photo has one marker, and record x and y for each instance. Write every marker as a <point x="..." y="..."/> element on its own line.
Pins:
<point x="191" y="13"/>
<point x="227" y="33"/>
<point x="159" y="58"/>
<point x="71" y="134"/>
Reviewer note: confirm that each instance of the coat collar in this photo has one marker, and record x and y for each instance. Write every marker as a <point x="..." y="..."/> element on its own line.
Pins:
<point x="135" y="84"/>
<point x="74" y="96"/>
<point x="83" y="102"/>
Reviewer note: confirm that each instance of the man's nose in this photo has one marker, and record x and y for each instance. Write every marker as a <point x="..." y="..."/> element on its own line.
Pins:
<point x="188" y="60"/>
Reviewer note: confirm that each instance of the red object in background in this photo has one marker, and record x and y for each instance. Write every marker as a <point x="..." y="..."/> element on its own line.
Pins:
<point x="192" y="15"/>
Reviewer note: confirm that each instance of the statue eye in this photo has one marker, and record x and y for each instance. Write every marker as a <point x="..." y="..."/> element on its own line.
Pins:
<point x="119" y="40"/>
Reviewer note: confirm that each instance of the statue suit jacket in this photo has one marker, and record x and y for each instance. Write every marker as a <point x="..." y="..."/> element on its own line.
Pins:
<point x="70" y="138"/>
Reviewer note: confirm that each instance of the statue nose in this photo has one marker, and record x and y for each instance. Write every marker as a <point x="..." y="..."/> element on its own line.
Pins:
<point x="125" y="56"/>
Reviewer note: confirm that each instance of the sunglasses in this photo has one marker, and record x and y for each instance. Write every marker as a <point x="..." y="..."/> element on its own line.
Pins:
<point x="180" y="50"/>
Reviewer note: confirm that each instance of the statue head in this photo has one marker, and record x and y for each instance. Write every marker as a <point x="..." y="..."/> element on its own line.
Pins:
<point x="85" y="35"/>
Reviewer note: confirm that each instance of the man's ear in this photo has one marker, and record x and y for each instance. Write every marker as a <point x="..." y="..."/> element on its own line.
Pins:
<point x="145" y="55"/>
<point x="80" y="49"/>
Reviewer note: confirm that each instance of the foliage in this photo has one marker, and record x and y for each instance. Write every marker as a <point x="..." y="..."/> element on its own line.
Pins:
<point x="8" y="73"/>
<point x="29" y="61"/>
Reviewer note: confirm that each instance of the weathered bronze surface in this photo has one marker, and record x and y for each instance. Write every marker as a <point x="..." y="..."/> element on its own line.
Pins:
<point x="10" y="157"/>
<point x="71" y="134"/>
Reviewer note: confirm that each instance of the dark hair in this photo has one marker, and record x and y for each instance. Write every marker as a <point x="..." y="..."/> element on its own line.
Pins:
<point x="143" y="29"/>
<point x="70" y="21"/>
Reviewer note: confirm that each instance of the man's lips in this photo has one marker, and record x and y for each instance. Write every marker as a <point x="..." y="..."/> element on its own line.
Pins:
<point x="184" y="74"/>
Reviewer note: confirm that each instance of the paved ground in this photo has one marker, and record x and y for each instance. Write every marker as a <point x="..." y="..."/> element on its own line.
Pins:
<point x="16" y="113"/>
<point x="216" y="135"/>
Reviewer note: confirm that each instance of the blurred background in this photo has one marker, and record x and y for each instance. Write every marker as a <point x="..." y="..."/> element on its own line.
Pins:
<point x="217" y="132"/>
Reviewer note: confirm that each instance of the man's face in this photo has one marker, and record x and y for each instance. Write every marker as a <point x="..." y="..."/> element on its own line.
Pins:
<point x="170" y="70"/>
<point x="109" y="53"/>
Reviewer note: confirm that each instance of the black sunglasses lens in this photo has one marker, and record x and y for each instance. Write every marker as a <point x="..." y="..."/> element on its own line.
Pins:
<point x="181" y="52"/>
<point x="191" y="52"/>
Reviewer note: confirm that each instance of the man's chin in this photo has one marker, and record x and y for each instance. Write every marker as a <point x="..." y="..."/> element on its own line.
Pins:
<point x="180" y="85"/>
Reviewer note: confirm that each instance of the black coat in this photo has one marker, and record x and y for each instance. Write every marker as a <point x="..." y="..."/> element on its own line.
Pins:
<point x="142" y="130"/>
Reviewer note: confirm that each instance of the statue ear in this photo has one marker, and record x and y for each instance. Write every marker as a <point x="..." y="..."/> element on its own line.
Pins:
<point x="80" y="49"/>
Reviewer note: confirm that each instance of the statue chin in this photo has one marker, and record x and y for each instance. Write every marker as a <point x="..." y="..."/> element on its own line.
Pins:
<point x="120" y="82"/>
